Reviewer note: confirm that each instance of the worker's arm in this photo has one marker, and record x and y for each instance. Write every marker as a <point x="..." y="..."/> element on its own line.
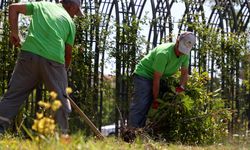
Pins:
<point x="68" y="55"/>
<point x="14" y="10"/>
<point x="184" y="76"/>
<point x="183" y="80"/>
<point x="156" y="87"/>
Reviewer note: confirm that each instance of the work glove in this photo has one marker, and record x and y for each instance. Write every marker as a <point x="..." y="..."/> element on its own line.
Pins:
<point x="155" y="104"/>
<point x="179" y="89"/>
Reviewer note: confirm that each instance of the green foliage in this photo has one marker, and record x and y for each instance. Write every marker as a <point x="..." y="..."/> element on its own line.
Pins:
<point x="193" y="117"/>
<point x="245" y="71"/>
<point x="108" y="101"/>
<point x="7" y="53"/>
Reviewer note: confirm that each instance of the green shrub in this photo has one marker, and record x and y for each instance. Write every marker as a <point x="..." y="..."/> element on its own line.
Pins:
<point x="191" y="117"/>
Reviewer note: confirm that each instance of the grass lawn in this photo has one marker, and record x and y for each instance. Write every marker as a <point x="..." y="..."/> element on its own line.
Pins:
<point x="79" y="142"/>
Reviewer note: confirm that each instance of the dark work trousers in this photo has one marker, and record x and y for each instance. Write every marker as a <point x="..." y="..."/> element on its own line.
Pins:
<point x="141" y="101"/>
<point x="31" y="69"/>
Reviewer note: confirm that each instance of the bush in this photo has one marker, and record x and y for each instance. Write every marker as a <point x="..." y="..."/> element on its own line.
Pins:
<point x="191" y="117"/>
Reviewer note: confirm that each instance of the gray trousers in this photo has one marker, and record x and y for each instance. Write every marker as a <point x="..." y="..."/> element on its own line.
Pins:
<point x="30" y="70"/>
<point x="141" y="102"/>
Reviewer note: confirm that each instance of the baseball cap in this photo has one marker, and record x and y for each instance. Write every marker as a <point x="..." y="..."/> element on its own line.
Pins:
<point x="78" y="3"/>
<point x="186" y="42"/>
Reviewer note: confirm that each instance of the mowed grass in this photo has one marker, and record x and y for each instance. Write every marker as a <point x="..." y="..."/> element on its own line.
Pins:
<point x="79" y="142"/>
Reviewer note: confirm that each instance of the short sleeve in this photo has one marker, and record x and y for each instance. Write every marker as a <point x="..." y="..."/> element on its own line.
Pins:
<point x="160" y="62"/>
<point x="29" y="8"/>
<point x="71" y="37"/>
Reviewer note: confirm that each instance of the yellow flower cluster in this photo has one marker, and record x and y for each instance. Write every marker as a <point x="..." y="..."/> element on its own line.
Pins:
<point x="44" y="125"/>
<point x="45" y="105"/>
<point x="56" y="104"/>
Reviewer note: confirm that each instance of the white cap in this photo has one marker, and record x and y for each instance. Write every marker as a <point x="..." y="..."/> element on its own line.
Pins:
<point x="78" y="3"/>
<point x="186" y="42"/>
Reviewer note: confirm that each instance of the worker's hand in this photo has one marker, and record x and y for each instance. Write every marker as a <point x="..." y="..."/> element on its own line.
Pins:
<point x="15" y="39"/>
<point x="155" y="104"/>
<point x="179" y="89"/>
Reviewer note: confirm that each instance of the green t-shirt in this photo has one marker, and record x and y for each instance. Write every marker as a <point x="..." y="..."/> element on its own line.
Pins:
<point x="50" y="29"/>
<point x="161" y="59"/>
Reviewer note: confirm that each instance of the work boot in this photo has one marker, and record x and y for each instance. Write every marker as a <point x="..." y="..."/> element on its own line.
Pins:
<point x="128" y="134"/>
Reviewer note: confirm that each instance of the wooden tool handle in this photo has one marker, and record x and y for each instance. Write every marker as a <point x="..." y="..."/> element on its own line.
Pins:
<point x="86" y="119"/>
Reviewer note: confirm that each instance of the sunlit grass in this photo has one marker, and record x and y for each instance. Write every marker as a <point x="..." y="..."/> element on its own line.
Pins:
<point x="47" y="137"/>
<point x="80" y="142"/>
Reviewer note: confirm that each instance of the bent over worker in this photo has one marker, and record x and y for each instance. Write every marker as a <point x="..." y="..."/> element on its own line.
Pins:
<point x="164" y="60"/>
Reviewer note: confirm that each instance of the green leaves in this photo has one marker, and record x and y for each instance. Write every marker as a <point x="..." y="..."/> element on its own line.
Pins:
<point x="191" y="117"/>
<point x="187" y="102"/>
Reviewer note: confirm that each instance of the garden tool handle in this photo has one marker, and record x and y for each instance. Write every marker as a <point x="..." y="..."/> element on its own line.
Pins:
<point x="86" y="119"/>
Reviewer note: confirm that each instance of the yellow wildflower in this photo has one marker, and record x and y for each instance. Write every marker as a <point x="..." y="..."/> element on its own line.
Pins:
<point x="52" y="121"/>
<point x="36" y="121"/>
<point x="52" y="127"/>
<point x="34" y="127"/>
<point x="55" y="105"/>
<point x="53" y="94"/>
<point x="47" y="120"/>
<point x="37" y="139"/>
<point x="35" y="124"/>
<point x="46" y="131"/>
<point x="41" y="103"/>
<point x="47" y="105"/>
<point x="39" y="115"/>
<point x="69" y="90"/>
<point x="41" y="125"/>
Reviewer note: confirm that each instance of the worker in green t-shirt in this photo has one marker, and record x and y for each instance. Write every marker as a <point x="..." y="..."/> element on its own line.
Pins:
<point x="44" y="56"/>
<point x="163" y="60"/>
